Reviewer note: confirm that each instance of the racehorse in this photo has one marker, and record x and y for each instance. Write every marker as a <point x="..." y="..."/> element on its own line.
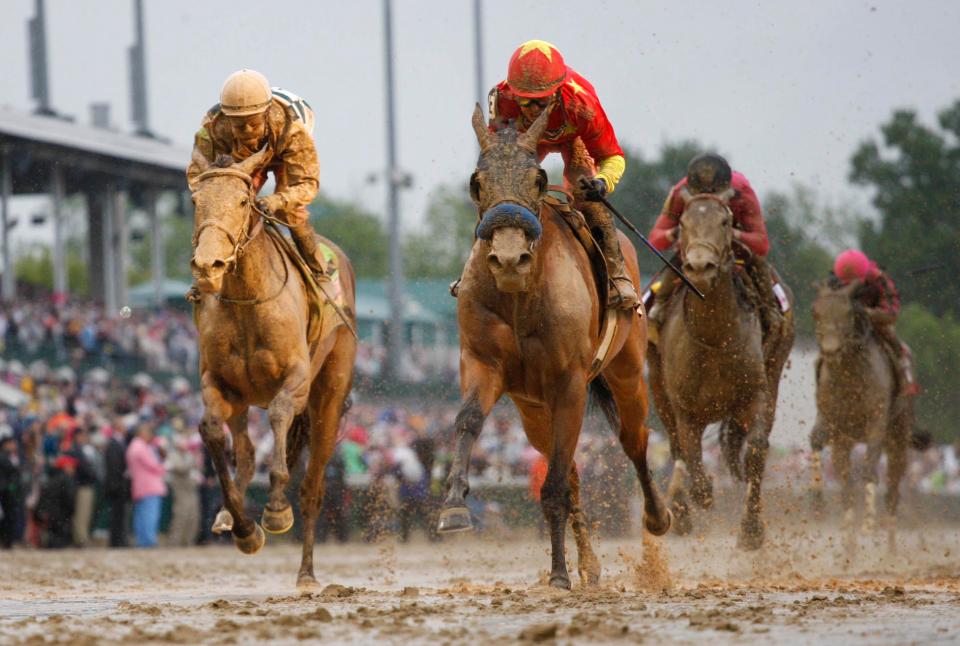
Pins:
<point x="254" y="351"/>
<point x="530" y="314"/>
<point x="856" y="402"/>
<point x="708" y="365"/>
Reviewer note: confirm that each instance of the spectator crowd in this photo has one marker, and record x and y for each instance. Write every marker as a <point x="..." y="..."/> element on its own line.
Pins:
<point x="88" y="456"/>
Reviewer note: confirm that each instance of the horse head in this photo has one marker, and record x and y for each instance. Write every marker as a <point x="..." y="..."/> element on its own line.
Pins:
<point x="224" y="217"/>
<point x="836" y="316"/>
<point x="507" y="187"/>
<point x="706" y="234"/>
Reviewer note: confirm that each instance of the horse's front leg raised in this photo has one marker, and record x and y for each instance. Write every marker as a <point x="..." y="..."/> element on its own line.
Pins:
<point x="246" y="534"/>
<point x="759" y="419"/>
<point x="481" y="387"/>
<point x="288" y="402"/>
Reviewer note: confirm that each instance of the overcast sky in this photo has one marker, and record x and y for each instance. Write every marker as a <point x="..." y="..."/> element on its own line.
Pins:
<point x="787" y="89"/>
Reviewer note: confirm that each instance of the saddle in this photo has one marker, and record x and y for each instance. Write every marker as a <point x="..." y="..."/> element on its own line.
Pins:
<point x="610" y="319"/>
<point x="325" y="299"/>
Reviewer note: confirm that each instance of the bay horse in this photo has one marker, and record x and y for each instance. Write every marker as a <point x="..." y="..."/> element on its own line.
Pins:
<point x="708" y="365"/>
<point x="529" y="314"/>
<point x="252" y="321"/>
<point x="856" y="402"/>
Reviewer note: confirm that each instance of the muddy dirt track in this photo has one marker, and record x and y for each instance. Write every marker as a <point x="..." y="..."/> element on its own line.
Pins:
<point x="801" y="588"/>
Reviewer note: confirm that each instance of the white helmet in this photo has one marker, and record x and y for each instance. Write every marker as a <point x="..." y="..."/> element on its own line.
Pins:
<point x="244" y="93"/>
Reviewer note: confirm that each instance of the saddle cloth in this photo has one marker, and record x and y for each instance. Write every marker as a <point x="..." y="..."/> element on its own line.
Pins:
<point x="324" y="298"/>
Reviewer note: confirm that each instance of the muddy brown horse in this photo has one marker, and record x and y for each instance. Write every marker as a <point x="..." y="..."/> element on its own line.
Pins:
<point x="708" y="365"/>
<point x="252" y="323"/>
<point x="529" y="314"/>
<point x="856" y="402"/>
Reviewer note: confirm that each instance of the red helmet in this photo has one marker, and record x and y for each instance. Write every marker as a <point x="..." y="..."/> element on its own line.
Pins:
<point x="536" y="70"/>
<point x="853" y="265"/>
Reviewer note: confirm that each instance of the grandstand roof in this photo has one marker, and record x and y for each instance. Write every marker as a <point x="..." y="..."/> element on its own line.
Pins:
<point x="97" y="149"/>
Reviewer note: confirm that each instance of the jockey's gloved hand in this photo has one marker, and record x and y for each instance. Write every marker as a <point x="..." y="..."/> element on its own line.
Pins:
<point x="595" y="188"/>
<point x="270" y="204"/>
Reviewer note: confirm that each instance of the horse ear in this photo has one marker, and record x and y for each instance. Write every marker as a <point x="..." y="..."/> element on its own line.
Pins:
<point x="727" y="195"/>
<point x="480" y="128"/>
<point x="531" y="137"/>
<point x="200" y="161"/>
<point x="253" y="162"/>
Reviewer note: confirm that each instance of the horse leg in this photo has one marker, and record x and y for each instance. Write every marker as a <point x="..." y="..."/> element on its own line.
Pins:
<point x="759" y="420"/>
<point x="481" y="388"/>
<point x="841" y="464"/>
<point x="876" y="433"/>
<point x="537" y="425"/>
<point x="247" y="535"/>
<point x="291" y="399"/>
<point x="896" y="449"/>
<point x="555" y="499"/>
<point x="326" y="406"/>
<point x="818" y="440"/>
<point x="691" y="450"/>
<point x="624" y="376"/>
<point x="246" y="462"/>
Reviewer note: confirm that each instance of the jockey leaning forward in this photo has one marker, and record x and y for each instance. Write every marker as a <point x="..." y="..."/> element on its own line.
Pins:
<point x="249" y="117"/>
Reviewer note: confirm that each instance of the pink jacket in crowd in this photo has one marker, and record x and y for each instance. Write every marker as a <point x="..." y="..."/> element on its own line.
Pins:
<point x="146" y="470"/>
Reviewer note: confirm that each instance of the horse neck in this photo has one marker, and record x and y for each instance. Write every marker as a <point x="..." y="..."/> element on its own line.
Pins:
<point x="252" y="277"/>
<point x="714" y="320"/>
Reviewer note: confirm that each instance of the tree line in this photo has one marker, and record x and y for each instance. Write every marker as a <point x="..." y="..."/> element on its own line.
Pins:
<point x="911" y="170"/>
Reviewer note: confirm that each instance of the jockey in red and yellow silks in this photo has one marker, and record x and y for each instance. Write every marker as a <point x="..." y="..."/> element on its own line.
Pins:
<point x="538" y="79"/>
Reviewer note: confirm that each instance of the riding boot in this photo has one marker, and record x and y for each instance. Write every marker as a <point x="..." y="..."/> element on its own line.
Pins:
<point x="306" y="241"/>
<point x="771" y="317"/>
<point x="621" y="294"/>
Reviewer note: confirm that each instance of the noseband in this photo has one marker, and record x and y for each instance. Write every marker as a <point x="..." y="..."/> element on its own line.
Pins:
<point x="253" y="222"/>
<point x="721" y="253"/>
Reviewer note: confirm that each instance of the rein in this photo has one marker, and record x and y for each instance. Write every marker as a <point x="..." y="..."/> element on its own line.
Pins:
<point x="253" y="226"/>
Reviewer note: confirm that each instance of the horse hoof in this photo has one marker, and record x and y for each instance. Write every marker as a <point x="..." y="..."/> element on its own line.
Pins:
<point x="223" y="522"/>
<point x="561" y="581"/>
<point x="306" y="584"/>
<point x="453" y="520"/>
<point x="658" y="528"/>
<point x="277" y="522"/>
<point x="253" y="543"/>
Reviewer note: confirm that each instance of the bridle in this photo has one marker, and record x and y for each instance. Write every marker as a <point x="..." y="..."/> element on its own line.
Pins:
<point x="722" y="254"/>
<point x="252" y="227"/>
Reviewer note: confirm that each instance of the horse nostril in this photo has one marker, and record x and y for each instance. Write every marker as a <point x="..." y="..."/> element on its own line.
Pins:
<point x="525" y="259"/>
<point x="218" y="265"/>
<point x="494" y="261"/>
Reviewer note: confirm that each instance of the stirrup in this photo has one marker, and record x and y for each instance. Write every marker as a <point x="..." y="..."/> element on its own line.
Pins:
<point x="622" y="298"/>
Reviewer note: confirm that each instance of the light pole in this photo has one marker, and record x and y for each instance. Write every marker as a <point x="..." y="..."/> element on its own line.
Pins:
<point x="394" y="179"/>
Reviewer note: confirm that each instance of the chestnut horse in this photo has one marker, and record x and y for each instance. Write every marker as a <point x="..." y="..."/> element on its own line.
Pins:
<point x="709" y="365"/>
<point x="254" y="351"/>
<point x="529" y="314"/>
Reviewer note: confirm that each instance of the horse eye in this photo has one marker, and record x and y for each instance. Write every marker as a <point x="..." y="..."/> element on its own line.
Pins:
<point x="243" y="202"/>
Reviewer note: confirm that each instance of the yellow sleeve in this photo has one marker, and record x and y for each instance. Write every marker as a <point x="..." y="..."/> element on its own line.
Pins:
<point x="611" y="170"/>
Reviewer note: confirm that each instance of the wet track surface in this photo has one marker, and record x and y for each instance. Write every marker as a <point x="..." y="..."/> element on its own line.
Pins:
<point x="803" y="587"/>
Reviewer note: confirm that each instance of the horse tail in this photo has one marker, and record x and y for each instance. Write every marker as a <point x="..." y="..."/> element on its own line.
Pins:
<point x="297" y="438"/>
<point x="732" y="437"/>
<point x="602" y="397"/>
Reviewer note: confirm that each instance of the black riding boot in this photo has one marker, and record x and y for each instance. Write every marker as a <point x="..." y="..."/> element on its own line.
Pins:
<point x="622" y="294"/>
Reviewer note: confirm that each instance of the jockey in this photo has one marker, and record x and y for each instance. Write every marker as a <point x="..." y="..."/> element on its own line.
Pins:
<point x="249" y="117"/>
<point x="538" y="80"/>
<point x="710" y="173"/>
<point x="881" y="302"/>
